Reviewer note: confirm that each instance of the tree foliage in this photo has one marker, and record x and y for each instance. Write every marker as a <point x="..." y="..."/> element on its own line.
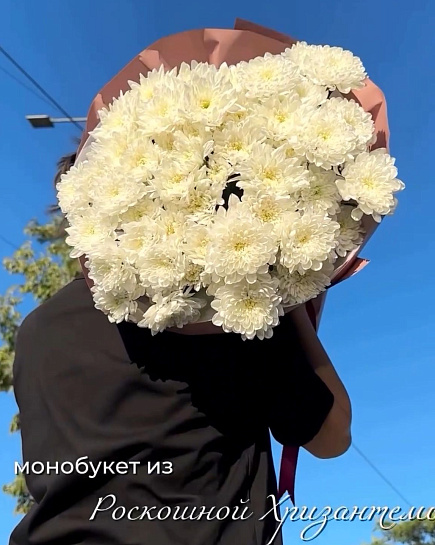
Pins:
<point x="39" y="274"/>
<point x="409" y="532"/>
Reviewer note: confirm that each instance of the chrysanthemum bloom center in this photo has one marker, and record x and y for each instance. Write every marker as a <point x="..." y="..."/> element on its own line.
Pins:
<point x="118" y="299"/>
<point x="114" y="192"/>
<point x="268" y="213"/>
<point x="238" y="116"/>
<point x="164" y="264"/>
<point x="90" y="230"/>
<point x="117" y="120"/>
<point x="147" y="93"/>
<point x="216" y="169"/>
<point x="290" y="152"/>
<point x="280" y="117"/>
<point x="170" y="228"/>
<point x="141" y="160"/>
<point x="350" y="119"/>
<point x="193" y="273"/>
<point x="177" y="178"/>
<point x="196" y="203"/>
<point x="333" y="62"/>
<point x="303" y="237"/>
<point x="139" y="243"/>
<point x="236" y="146"/>
<point x="240" y="245"/>
<point x="325" y="133"/>
<point x="270" y="173"/>
<point x="368" y="182"/>
<point x="162" y="110"/>
<point x="205" y="103"/>
<point x="267" y="74"/>
<point x="250" y="303"/>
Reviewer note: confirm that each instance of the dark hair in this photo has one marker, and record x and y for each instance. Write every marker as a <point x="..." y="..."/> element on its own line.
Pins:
<point x="63" y="166"/>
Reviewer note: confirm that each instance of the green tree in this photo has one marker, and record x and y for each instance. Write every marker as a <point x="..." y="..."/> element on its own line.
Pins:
<point x="41" y="273"/>
<point x="409" y="532"/>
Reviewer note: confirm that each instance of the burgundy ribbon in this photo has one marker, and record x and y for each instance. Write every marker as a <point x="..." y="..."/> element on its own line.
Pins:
<point x="289" y="458"/>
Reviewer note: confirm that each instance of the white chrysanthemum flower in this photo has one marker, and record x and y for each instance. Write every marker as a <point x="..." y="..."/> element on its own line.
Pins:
<point x="218" y="171"/>
<point x="310" y="94"/>
<point x="371" y="181"/>
<point x="358" y="119"/>
<point x="119" y="117"/>
<point x="138" y="237"/>
<point x="161" y="266"/>
<point x="295" y="288"/>
<point x="165" y="142"/>
<point x="209" y="96"/>
<point x="282" y="116"/>
<point x="107" y="153"/>
<point x="201" y="70"/>
<point x="154" y="82"/>
<point x="271" y="210"/>
<point x="234" y="142"/>
<point x="176" y="309"/>
<point x="270" y="170"/>
<point x="249" y="309"/>
<point x="117" y="305"/>
<point x="333" y="67"/>
<point x="144" y="208"/>
<point x="141" y="159"/>
<point x="325" y="138"/>
<point x="161" y="114"/>
<point x="111" y="269"/>
<point x="200" y="201"/>
<point x="196" y="243"/>
<point x="172" y="181"/>
<point x="194" y="276"/>
<point x="172" y="225"/>
<point x="308" y="241"/>
<point x="89" y="231"/>
<point x="73" y="189"/>
<point x="351" y="234"/>
<point x="322" y="194"/>
<point x="242" y="113"/>
<point x="115" y="193"/>
<point x="191" y="146"/>
<point x="240" y="246"/>
<point x="267" y="75"/>
<point x="291" y="153"/>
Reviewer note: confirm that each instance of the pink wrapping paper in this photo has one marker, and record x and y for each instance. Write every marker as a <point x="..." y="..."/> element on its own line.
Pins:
<point x="244" y="42"/>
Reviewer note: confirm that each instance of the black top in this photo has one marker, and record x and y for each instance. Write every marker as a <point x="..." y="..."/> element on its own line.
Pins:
<point x="113" y="393"/>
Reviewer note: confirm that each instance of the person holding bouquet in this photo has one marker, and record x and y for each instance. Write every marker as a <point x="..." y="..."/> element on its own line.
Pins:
<point x="148" y="385"/>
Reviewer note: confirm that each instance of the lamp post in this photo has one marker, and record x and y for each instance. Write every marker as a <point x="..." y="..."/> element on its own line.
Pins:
<point x="45" y="121"/>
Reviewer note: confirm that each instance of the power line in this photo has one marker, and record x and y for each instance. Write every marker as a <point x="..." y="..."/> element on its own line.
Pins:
<point x="381" y="475"/>
<point x="7" y="241"/>
<point x="40" y="88"/>
<point x="24" y="85"/>
<point x="375" y="469"/>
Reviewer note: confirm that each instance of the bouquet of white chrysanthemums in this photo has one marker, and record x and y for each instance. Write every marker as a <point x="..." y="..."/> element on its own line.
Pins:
<point x="231" y="190"/>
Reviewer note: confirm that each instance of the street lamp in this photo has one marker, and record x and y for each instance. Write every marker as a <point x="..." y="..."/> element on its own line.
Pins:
<point x="45" y="121"/>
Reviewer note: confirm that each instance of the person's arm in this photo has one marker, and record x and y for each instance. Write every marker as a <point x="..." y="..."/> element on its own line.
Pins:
<point x="334" y="436"/>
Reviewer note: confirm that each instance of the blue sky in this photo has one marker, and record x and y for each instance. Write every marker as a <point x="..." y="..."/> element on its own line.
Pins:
<point x="376" y="326"/>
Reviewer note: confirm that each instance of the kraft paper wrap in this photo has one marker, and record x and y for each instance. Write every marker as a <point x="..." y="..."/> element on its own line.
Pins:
<point x="216" y="46"/>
